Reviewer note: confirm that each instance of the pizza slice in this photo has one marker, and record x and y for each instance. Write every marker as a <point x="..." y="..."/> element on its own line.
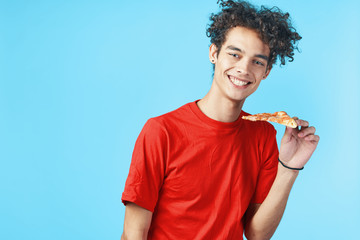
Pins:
<point x="278" y="117"/>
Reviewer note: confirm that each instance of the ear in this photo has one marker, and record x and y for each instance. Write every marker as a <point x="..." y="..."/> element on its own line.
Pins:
<point x="213" y="53"/>
<point x="267" y="72"/>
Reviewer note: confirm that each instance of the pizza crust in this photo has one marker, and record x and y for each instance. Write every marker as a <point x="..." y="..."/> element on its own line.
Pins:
<point x="278" y="117"/>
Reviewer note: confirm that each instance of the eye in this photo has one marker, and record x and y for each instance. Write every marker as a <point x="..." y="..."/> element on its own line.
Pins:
<point x="259" y="63"/>
<point x="234" y="55"/>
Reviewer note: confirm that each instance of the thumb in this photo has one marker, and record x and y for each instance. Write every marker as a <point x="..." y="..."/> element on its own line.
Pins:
<point x="289" y="131"/>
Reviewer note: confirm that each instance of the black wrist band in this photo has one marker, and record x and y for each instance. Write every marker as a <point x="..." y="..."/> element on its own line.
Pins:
<point x="298" y="169"/>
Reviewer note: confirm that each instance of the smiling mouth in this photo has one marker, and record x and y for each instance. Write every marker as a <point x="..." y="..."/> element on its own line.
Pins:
<point x="238" y="82"/>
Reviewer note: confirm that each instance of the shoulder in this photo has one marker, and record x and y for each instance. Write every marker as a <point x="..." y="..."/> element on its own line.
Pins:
<point x="165" y="124"/>
<point x="172" y="118"/>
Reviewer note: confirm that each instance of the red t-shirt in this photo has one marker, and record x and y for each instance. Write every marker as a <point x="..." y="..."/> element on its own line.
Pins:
<point x="198" y="176"/>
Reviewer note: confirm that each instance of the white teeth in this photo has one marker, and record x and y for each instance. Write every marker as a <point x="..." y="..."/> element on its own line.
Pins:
<point x="237" y="82"/>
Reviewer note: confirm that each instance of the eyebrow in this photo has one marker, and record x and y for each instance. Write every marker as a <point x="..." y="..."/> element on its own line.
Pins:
<point x="240" y="50"/>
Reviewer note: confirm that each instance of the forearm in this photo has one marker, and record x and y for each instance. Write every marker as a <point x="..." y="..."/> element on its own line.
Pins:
<point x="137" y="222"/>
<point x="134" y="235"/>
<point x="267" y="218"/>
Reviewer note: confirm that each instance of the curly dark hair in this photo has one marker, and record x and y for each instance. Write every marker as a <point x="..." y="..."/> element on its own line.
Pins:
<point x="274" y="27"/>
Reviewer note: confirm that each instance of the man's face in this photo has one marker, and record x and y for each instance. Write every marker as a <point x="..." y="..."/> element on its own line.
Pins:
<point x="240" y="65"/>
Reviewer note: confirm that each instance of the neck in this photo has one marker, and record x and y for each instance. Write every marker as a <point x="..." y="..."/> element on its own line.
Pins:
<point x="220" y="108"/>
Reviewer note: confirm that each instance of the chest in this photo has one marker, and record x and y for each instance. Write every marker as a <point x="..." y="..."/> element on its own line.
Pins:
<point x="206" y="166"/>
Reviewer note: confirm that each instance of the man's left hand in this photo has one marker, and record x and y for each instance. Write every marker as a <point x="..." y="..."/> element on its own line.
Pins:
<point x="297" y="145"/>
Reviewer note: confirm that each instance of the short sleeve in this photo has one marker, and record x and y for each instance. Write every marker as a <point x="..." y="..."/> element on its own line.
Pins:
<point x="147" y="167"/>
<point x="269" y="165"/>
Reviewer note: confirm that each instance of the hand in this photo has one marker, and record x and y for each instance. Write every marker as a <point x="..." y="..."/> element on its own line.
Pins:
<point x="297" y="145"/>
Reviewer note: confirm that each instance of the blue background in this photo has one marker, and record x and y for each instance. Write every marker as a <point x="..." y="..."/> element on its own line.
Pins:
<point x="78" y="79"/>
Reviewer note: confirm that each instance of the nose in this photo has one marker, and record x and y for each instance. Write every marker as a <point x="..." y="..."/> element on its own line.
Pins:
<point x="242" y="66"/>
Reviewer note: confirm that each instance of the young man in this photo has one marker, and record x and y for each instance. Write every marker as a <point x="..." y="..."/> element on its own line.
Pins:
<point x="201" y="171"/>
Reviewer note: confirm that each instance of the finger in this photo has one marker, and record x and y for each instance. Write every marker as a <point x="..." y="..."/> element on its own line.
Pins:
<point x="312" y="138"/>
<point x="306" y="131"/>
<point x="290" y="133"/>
<point x="302" y="123"/>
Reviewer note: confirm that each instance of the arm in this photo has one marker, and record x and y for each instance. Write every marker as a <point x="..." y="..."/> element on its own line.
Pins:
<point x="296" y="148"/>
<point x="137" y="222"/>
<point x="263" y="219"/>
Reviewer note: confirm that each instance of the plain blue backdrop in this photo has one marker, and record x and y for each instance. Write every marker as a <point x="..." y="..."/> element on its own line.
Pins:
<point x="78" y="79"/>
